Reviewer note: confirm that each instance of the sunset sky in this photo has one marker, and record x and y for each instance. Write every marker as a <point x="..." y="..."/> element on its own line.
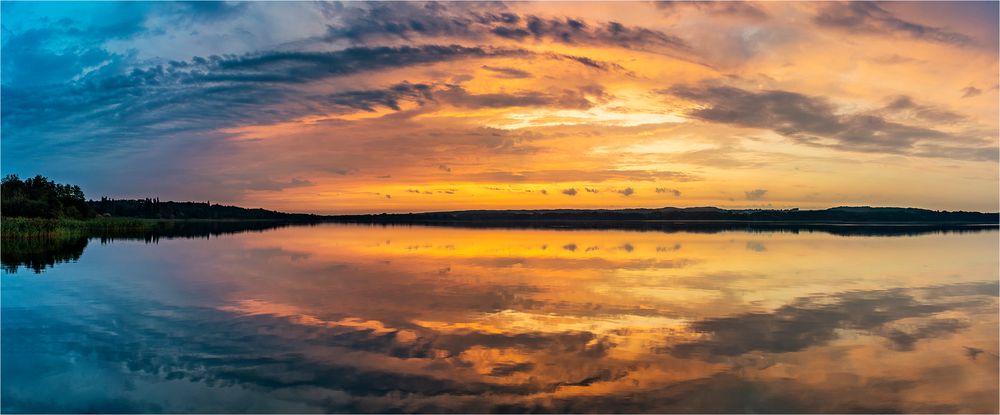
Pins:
<point x="398" y="107"/>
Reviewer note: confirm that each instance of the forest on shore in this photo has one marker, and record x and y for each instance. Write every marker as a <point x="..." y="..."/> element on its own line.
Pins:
<point x="40" y="207"/>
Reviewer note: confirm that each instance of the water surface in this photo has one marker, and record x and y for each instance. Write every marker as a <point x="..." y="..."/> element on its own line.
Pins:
<point x="352" y="318"/>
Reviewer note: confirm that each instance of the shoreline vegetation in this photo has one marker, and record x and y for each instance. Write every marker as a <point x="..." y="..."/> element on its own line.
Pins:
<point x="125" y="228"/>
<point x="38" y="208"/>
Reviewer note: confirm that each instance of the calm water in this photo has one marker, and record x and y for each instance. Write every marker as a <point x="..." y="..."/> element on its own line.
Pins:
<point x="388" y="319"/>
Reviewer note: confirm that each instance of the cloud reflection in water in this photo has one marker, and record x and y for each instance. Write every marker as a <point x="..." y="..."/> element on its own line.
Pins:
<point x="350" y="319"/>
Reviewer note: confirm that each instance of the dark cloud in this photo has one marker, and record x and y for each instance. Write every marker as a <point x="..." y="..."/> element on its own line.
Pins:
<point x="507" y="73"/>
<point x="296" y="67"/>
<point x="756" y="194"/>
<point x="815" y="121"/>
<point x="904" y="340"/>
<point x="674" y="192"/>
<point x="903" y="103"/>
<point x="507" y="369"/>
<point x="628" y="191"/>
<point x="869" y="17"/>
<point x="368" y="100"/>
<point x="570" y="192"/>
<point x="971" y="91"/>
<point x="469" y="21"/>
<point x="211" y="93"/>
<point x="585" y="61"/>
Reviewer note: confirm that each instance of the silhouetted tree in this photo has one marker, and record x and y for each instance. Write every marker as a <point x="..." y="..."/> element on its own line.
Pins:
<point x="39" y="197"/>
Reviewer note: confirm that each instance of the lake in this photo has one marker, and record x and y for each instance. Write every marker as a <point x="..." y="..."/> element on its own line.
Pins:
<point x="355" y="318"/>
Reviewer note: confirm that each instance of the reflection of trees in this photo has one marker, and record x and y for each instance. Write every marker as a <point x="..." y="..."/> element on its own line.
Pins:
<point x="38" y="254"/>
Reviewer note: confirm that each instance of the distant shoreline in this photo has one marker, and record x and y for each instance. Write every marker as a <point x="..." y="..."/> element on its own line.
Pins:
<point x="668" y="226"/>
<point x="841" y="221"/>
<point x="694" y="222"/>
<point x="837" y="215"/>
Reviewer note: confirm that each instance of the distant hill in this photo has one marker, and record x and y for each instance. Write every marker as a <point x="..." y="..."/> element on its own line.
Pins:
<point x="837" y="215"/>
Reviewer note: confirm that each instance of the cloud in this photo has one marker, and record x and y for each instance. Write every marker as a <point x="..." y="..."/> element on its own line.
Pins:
<point x="585" y="61"/>
<point x="206" y="94"/>
<point x="713" y="8"/>
<point x="812" y="321"/>
<point x="903" y="103"/>
<point x="271" y="185"/>
<point x="468" y="21"/>
<point x="301" y="66"/>
<point x="756" y="194"/>
<point x="577" y="175"/>
<point x="869" y="17"/>
<point x="507" y="73"/>
<point x="456" y="95"/>
<point x="893" y="59"/>
<point x="628" y="191"/>
<point x="674" y="192"/>
<point x="971" y="91"/>
<point x="368" y="100"/>
<point x="815" y="121"/>
<point x="568" y="98"/>
<point x="205" y="11"/>
<point x="56" y="50"/>
<point x="569" y="192"/>
<point x="508" y="369"/>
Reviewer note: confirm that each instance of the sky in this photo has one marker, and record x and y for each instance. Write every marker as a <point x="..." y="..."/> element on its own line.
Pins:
<point x="403" y="107"/>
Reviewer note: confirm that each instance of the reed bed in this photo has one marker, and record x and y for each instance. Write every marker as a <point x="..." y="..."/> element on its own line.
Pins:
<point x="18" y="228"/>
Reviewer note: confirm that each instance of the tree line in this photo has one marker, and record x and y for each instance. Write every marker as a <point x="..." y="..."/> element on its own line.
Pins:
<point x="39" y="197"/>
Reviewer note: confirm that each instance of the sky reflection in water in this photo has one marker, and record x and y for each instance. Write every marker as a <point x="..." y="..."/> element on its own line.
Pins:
<point x="360" y="319"/>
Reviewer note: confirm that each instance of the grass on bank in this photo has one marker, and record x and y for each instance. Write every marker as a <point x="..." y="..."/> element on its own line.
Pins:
<point x="13" y="228"/>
